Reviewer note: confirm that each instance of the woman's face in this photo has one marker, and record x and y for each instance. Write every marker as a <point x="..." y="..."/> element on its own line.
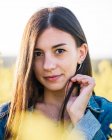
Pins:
<point x="56" y="57"/>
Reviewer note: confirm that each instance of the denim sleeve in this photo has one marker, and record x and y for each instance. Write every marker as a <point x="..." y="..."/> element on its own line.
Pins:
<point x="88" y="125"/>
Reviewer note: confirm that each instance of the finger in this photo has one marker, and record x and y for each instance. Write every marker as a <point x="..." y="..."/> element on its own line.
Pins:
<point x="81" y="80"/>
<point x="84" y="79"/>
<point x="78" y="76"/>
<point x="84" y="83"/>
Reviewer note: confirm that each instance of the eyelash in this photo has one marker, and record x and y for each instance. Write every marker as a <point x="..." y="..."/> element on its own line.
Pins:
<point x="41" y="54"/>
<point x="36" y="53"/>
<point x="62" y="51"/>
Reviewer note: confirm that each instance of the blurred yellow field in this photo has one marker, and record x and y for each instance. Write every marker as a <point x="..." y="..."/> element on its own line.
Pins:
<point x="103" y="80"/>
<point x="103" y="77"/>
<point x="101" y="72"/>
<point x="6" y="79"/>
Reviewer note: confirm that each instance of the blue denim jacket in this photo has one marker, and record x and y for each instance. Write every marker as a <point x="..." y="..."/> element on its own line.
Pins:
<point x="94" y="124"/>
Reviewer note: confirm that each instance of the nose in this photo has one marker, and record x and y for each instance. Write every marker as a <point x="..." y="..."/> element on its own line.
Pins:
<point x="49" y="63"/>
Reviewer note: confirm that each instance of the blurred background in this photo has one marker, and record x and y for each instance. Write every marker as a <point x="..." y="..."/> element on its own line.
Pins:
<point x="95" y="18"/>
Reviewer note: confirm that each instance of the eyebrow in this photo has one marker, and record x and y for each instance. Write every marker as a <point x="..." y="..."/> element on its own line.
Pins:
<point x="55" y="46"/>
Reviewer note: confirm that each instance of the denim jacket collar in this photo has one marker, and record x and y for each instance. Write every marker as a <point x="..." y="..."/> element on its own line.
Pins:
<point x="4" y="109"/>
<point x="93" y="106"/>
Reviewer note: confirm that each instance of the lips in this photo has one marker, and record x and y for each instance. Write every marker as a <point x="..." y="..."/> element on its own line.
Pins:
<point x="53" y="77"/>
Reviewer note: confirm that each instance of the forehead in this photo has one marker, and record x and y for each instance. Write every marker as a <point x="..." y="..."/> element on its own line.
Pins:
<point x="53" y="36"/>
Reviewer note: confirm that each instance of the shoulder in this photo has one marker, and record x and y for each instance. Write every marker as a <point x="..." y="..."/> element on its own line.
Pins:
<point x="4" y="112"/>
<point x="105" y="117"/>
<point x="104" y="104"/>
<point x="106" y="109"/>
<point x="4" y="109"/>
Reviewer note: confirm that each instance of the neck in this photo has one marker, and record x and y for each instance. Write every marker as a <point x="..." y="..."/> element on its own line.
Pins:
<point x="54" y="97"/>
<point x="52" y="103"/>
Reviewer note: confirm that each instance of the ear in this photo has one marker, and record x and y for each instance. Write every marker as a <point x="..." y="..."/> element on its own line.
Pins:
<point x="82" y="52"/>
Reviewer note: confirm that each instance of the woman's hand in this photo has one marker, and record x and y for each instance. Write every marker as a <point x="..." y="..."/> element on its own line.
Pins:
<point x="76" y="106"/>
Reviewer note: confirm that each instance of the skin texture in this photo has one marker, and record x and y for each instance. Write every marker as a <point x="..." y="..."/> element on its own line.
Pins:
<point x="60" y="63"/>
<point x="53" y="62"/>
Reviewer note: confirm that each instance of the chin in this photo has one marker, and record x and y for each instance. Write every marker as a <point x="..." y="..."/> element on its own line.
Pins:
<point x="55" y="88"/>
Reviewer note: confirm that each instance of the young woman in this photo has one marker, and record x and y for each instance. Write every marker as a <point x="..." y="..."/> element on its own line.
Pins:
<point x="54" y="76"/>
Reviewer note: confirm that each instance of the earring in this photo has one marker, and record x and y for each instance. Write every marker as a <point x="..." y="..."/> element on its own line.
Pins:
<point x="80" y="65"/>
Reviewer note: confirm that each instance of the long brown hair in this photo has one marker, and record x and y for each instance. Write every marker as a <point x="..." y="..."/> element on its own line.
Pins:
<point x="27" y="89"/>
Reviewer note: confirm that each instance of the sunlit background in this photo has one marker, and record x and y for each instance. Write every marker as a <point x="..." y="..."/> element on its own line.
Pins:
<point x="94" y="16"/>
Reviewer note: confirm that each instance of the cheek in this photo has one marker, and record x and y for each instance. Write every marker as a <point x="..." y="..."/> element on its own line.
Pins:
<point x="37" y="68"/>
<point x="71" y="65"/>
<point x="71" y="68"/>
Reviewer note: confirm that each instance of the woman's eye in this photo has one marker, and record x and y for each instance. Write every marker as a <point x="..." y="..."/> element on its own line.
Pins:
<point x="59" y="51"/>
<point x="37" y="54"/>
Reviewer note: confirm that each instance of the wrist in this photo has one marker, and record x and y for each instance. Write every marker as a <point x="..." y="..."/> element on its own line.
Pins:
<point x="77" y="117"/>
